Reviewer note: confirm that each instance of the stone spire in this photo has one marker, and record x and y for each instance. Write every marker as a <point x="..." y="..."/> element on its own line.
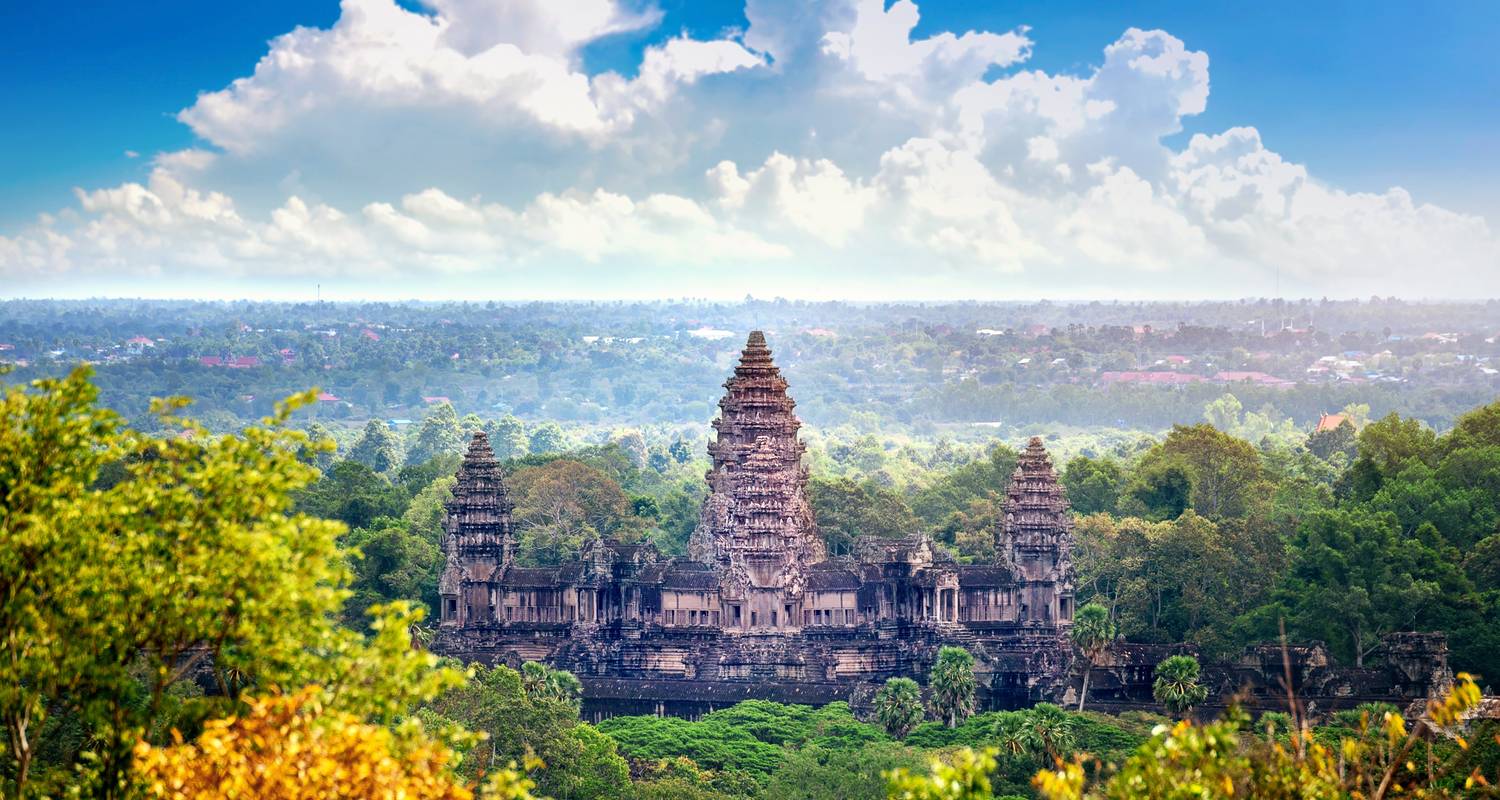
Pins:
<point x="479" y="522"/>
<point x="755" y="405"/>
<point x="756" y="522"/>
<point x="1036" y="507"/>
<point x="1037" y="534"/>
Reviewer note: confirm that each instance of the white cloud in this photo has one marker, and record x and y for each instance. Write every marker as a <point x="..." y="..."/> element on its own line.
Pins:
<point x="812" y="197"/>
<point x="466" y="138"/>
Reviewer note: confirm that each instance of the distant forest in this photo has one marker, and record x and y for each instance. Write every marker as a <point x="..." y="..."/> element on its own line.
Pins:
<point x="924" y="370"/>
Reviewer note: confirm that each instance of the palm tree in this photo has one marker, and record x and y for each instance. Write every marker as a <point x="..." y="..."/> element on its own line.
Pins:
<point x="898" y="706"/>
<point x="541" y="682"/>
<point x="564" y="687"/>
<point x="1177" y="686"/>
<point x="1093" y="633"/>
<point x="1015" y="735"/>
<point x="533" y="678"/>
<point x="1052" y="729"/>
<point x="953" y="685"/>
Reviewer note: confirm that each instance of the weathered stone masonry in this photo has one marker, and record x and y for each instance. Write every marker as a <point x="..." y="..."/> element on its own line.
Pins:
<point x="758" y="609"/>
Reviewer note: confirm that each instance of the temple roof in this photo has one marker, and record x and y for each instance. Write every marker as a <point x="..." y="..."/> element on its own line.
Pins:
<point x="821" y="578"/>
<point x="976" y="576"/>
<point x="690" y="575"/>
<point x="530" y="577"/>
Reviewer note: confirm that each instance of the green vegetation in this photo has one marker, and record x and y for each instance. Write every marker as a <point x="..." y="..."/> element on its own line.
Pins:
<point x="1093" y="632"/>
<point x="898" y="706"/>
<point x="953" y="685"/>
<point x="168" y="578"/>
<point x="1176" y="686"/>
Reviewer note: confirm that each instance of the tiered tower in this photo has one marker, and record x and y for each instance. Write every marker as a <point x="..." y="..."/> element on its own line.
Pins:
<point x="478" y="537"/>
<point x="756" y="524"/>
<point x="1036" y="534"/>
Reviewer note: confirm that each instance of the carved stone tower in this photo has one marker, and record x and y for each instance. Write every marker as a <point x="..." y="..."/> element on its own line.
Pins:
<point x="478" y="538"/>
<point x="756" y="524"/>
<point x="1036" y="534"/>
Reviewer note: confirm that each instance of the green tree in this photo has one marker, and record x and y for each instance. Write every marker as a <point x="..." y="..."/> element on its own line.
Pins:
<point x="1093" y="632"/>
<point x="580" y="763"/>
<point x="1225" y="472"/>
<point x="439" y="435"/>
<point x="541" y="682"/>
<point x="1224" y="413"/>
<point x="1053" y="729"/>
<point x="378" y="447"/>
<point x="825" y="773"/>
<point x="1353" y="578"/>
<point x="191" y="558"/>
<point x="1176" y="686"/>
<point x="1093" y="484"/>
<point x="898" y="706"/>
<point x="1341" y="439"/>
<point x="548" y="438"/>
<point x="391" y="562"/>
<point x="1386" y="447"/>
<point x="1159" y="491"/>
<point x="985" y="478"/>
<point x="563" y="503"/>
<point x="846" y="510"/>
<point x="53" y="442"/>
<point x="318" y="453"/>
<point x="508" y="437"/>
<point x="353" y="494"/>
<point x="953" y="685"/>
<point x="966" y="776"/>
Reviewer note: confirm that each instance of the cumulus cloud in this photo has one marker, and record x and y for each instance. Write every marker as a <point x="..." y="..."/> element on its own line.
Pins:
<point x="467" y="138"/>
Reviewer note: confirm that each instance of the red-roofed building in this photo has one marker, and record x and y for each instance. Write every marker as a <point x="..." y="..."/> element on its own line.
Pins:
<point x="436" y="400"/>
<point x="1155" y="378"/>
<point x="371" y="335"/>
<point x="1257" y="378"/>
<point x="1329" y="422"/>
<point x="243" y="362"/>
<point x="211" y="361"/>
<point x="325" y="397"/>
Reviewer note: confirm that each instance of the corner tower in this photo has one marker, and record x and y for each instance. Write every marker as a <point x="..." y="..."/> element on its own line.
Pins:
<point x="1036" y="534"/>
<point x="478" y="537"/>
<point x="756" y="527"/>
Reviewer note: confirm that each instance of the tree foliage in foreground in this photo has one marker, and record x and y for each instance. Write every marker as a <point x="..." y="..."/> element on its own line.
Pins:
<point x="1381" y="759"/>
<point x="187" y="566"/>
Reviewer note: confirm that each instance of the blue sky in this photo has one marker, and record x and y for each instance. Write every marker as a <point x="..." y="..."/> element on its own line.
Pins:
<point x="1364" y="97"/>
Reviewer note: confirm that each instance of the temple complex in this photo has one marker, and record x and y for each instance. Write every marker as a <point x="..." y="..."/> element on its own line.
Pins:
<point x="758" y="608"/>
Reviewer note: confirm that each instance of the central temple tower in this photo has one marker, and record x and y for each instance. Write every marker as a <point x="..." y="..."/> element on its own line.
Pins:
<point x="756" y="525"/>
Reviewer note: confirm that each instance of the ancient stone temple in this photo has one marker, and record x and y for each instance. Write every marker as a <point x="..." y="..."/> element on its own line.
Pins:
<point x="758" y="609"/>
<point x="756" y="529"/>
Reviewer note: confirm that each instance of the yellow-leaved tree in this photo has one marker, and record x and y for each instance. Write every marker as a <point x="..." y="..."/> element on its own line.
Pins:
<point x="293" y="747"/>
